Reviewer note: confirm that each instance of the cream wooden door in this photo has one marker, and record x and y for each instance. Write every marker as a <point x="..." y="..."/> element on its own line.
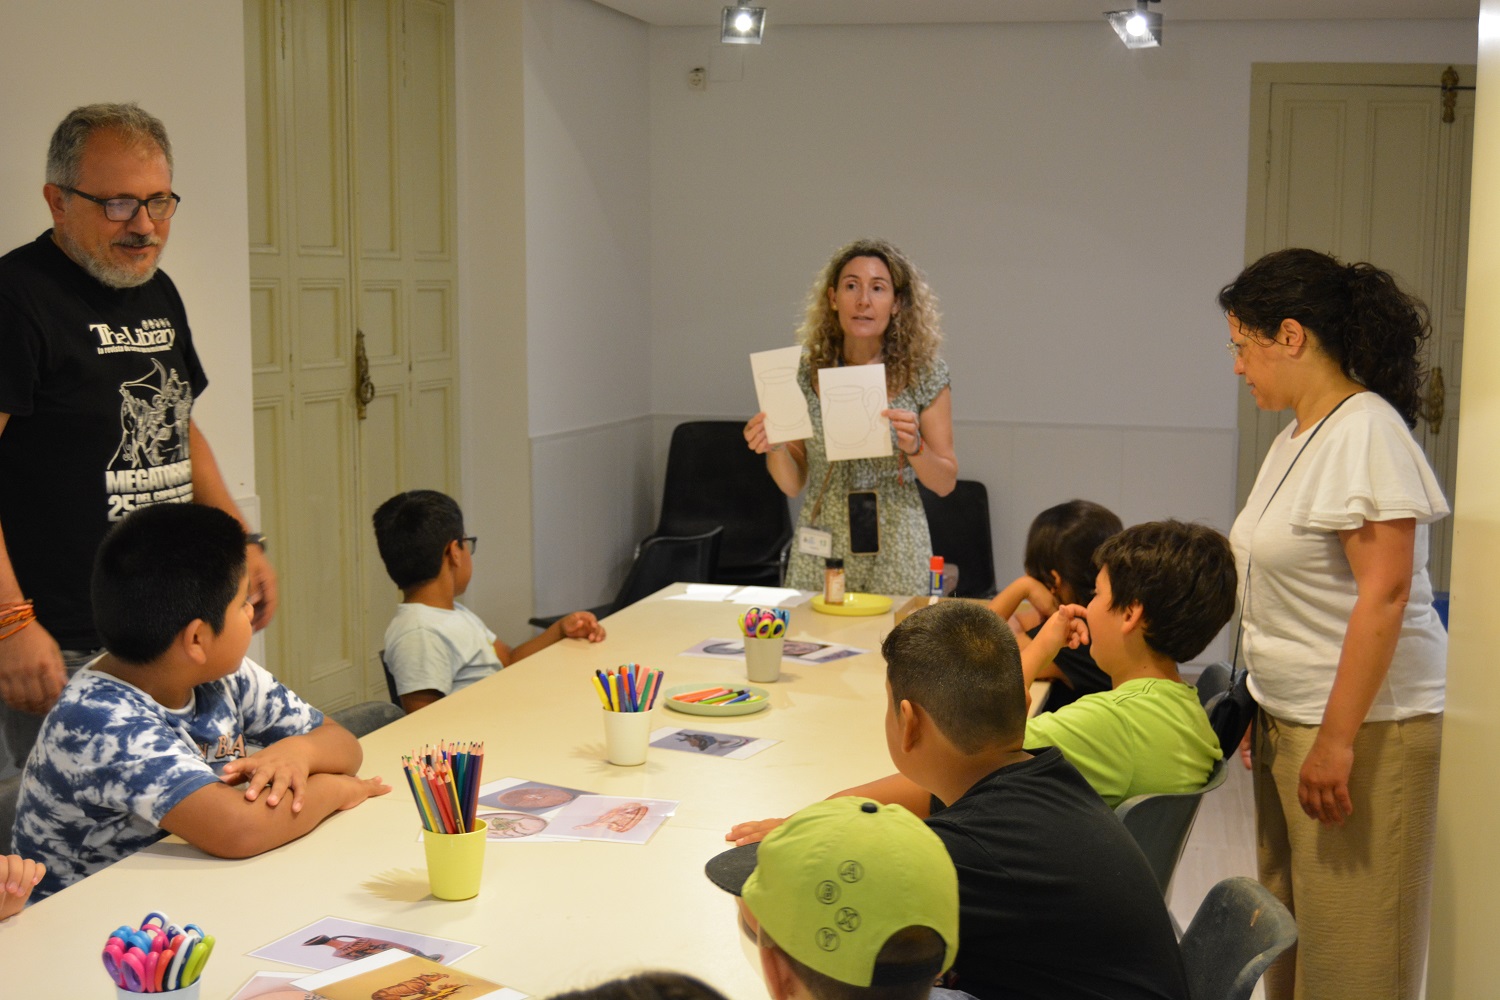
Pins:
<point x="1356" y="160"/>
<point x="353" y="279"/>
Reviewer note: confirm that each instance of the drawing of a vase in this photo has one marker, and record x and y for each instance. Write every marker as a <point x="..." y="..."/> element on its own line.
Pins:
<point x="851" y="413"/>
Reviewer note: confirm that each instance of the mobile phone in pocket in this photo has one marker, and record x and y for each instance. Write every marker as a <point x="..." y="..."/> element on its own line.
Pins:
<point x="864" y="522"/>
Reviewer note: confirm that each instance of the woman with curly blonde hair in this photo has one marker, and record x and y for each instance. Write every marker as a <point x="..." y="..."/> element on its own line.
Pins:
<point x="870" y="305"/>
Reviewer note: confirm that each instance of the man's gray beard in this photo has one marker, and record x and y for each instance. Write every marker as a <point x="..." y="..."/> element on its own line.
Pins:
<point x="107" y="272"/>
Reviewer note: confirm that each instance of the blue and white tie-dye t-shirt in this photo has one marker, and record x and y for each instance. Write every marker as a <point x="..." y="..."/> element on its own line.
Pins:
<point x="111" y="761"/>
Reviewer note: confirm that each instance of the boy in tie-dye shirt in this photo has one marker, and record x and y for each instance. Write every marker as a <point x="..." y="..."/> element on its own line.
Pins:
<point x="172" y="730"/>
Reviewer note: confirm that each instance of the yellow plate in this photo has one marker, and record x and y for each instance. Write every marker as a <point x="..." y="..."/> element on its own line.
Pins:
<point x="855" y="605"/>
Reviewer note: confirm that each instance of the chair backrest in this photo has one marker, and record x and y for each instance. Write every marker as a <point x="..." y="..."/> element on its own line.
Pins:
<point x="366" y="717"/>
<point x="1160" y="824"/>
<point x="390" y="682"/>
<point x="713" y="479"/>
<point x="1214" y="680"/>
<point x="1238" y="931"/>
<point x="666" y="559"/>
<point x="959" y="525"/>
<point x="10" y="792"/>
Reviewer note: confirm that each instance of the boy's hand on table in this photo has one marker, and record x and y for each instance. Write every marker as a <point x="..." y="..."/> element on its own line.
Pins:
<point x="582" y="625"/>
<point x="18" y="876"/>
<point x="278" y="768"/>
<point x="360" y="789"/>
<point x="752" y="832"/>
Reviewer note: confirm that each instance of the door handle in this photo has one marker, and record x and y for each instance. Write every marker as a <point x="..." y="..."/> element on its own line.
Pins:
<point x="364" y="388"/>
<point x="1435" y="404"/>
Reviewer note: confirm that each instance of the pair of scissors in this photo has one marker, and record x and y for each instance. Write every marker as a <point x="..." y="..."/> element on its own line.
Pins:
<point x="131" y="970"/>
<point x="131" y="939"/>
<point x="193" y="968"/>
<point x="769" y="628"/>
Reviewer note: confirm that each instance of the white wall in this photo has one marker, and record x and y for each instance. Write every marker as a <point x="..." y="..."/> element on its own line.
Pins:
<point x="1462" y="961"/>
<point x="58" y="56"/>
<point x="588" y="296"/>
<point x="492" y="308"/>
<point x="1075" y="205"/>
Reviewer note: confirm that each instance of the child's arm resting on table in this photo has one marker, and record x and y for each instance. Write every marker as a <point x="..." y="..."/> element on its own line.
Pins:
<point x="287" y="764"/>
<point x="219" y="820"/>
<point x="18" y="876"/>
<point x="897" y="789"/>
<point x="1027" y="589"/>
<point x="578" y="625"/>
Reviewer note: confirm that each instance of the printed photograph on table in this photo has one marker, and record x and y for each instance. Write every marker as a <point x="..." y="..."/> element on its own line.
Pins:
<point x="402" y="977"/>
<point x="517" y="809"/>
<point x="333" y="941"/>
<point x="612" y="818"/>
<point x="800" y="650"/>
<point x="710" y="744"/>
<point x="272" y="986"/>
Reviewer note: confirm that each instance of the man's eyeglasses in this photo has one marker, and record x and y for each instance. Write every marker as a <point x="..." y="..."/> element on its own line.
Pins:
<point x="470" y="542"/>
<point x="123" y="209"/>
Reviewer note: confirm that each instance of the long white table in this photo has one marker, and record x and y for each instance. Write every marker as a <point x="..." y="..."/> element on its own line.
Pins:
<point x="550" y="916"/>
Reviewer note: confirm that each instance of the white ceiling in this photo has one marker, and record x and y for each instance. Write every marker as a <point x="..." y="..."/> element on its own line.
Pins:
<point x="691" y="12"/>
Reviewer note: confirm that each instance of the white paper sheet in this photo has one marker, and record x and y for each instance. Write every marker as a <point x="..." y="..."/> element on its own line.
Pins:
<point x="779" y="395"/>
<point x="852" y="399"/>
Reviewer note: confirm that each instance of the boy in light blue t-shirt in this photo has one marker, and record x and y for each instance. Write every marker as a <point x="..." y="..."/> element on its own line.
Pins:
<point x="435" y="646"/>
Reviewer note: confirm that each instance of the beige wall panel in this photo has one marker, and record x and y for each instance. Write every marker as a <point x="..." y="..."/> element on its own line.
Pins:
<point x="426" y="127"/>
<point x="323" y="525"/>
<point x="432" y="321"/>
<point x="376" y="142"/>
<point x="321" y="324"/>
<point x="434" y="417"/>
<point x="1398" y="207"/>
<point x="317" y="99"/>
<point x="269" y="418"/>
<point x="261" y="48"/>
<point x="381" y="450"/>
<point x="379" y="313"/>
<point x="1309" y="210"/>
<point x="266" y="348"/>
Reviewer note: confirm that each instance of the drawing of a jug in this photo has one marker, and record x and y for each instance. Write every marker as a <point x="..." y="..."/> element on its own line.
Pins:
<point x="851" y="413"/>
<point x="781" y="396"/>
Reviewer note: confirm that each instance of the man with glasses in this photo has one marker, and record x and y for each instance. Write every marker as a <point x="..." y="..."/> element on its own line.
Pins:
<point x="97" y="381"/>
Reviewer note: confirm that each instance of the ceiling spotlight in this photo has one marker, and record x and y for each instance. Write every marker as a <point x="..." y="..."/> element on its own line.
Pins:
<point x="1138" y="28"/>
<point x="742" y="25"/>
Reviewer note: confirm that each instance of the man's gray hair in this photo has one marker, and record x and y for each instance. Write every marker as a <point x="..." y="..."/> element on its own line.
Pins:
<point x="136" y="125"/>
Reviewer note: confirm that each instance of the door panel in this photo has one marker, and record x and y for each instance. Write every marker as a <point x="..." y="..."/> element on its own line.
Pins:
<point x="338" y="92"/>
<point x="1356" y="161"/>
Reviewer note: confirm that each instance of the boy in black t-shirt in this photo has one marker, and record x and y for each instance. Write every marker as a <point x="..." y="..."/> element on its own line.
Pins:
<point x="1083" y="921"/>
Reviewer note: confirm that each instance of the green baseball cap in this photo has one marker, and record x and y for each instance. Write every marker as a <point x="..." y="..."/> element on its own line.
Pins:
<point x="837" y="879"/>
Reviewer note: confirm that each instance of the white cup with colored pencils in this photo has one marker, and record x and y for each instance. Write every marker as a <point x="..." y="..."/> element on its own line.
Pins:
<point x="764" y="630"/>
<point x="627" y="695"/>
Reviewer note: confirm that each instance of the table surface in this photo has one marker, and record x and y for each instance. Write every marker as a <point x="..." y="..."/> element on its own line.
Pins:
<point x="550" y="916"/>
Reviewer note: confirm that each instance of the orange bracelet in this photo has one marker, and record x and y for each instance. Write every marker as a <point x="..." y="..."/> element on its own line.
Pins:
<point x="15" y="617"/>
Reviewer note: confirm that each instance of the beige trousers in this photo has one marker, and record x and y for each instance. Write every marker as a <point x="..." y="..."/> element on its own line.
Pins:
<point x="1362" y="892"/>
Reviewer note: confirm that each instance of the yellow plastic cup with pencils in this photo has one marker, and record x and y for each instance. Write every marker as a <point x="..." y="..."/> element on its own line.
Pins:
<point x="455" y="861"/>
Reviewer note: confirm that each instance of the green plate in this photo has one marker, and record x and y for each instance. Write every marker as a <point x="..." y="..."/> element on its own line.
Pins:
<point x="692" y="708"/>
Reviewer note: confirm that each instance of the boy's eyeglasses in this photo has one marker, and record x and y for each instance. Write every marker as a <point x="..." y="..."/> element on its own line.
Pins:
<point x="470" y="542"/>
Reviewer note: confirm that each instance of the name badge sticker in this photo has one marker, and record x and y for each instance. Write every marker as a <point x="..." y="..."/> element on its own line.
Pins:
<point x="814" y="542"/>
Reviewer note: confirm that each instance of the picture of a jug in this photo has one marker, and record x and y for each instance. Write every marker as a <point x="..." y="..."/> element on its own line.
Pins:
<point x="781" y="396"/>
<point x="850" y="413"/>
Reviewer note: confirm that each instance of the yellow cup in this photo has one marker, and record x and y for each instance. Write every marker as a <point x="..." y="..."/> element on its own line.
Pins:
<point x="455" y="862"/>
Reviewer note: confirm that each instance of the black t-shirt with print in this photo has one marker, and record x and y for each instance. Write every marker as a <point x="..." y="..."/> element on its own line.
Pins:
<point x="99" y="384"/>
<point x="1056" y="901"/>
